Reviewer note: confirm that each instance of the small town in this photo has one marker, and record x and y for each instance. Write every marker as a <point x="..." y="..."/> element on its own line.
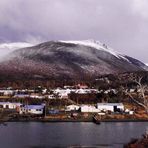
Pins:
<point x="77" y="103"/>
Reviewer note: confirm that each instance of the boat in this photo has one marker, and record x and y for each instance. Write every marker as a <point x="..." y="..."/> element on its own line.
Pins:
<point x="96" y="119"/>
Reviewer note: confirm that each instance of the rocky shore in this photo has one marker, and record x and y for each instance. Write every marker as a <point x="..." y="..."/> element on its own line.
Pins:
<point x="138" y="143"/>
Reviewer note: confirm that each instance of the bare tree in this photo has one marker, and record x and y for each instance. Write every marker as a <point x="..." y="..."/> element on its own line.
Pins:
<point x="140" y="99"/>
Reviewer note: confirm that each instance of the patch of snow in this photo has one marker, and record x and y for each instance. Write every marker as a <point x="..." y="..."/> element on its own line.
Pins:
<point x="97" y="45"/>
<point x="123" y="57"/>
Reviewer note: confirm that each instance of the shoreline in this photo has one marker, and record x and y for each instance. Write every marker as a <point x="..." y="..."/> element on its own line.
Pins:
<point x="73" y="120"/>
<point x="138" y="142"/>
<point x="124" y="120"/>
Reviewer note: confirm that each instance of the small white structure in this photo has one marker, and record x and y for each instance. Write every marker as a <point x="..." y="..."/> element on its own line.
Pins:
<point x="51" y="96"/>
<point x="81" y="91"/>
<point x="132" y="90"/>
<point x="32" y="109"/>
<point x="63" y="96"/>
<point x="72" y="107"/>
<point x="111" y="90"/>
<point x="37" y="96"/>
<point x="110" y="106"/>
<point x="62" y="93"/>
<point x="89" y="109"/>
<point x="10" y="105"/>
<point x="7" y="92"/>
<point x="131" y="112"/>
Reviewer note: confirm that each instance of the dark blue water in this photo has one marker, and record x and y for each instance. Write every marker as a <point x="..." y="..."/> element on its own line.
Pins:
<point x="60" y="135"/>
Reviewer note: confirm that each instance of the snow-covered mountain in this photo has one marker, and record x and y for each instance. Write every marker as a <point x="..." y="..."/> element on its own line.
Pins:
<point x="68" y="59"/>
<point x="97" y="45"/>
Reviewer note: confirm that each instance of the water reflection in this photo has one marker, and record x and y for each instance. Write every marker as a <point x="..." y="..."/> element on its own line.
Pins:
<point x="70" y="135"/>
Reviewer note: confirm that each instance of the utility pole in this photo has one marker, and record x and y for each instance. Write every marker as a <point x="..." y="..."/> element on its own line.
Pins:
<point x="45" y="110"/>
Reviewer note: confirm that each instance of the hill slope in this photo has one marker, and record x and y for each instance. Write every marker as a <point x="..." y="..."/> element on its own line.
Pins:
<point x="67" y="59"/>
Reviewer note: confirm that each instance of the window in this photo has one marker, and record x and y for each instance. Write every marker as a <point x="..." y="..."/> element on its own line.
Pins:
<point x="38" y="110"/>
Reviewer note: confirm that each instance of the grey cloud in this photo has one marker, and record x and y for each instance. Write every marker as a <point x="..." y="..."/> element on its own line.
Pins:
<point x="120" y="24"/>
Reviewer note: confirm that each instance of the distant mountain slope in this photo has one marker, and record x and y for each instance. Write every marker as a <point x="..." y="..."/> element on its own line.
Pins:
<point x="67" y="59"/>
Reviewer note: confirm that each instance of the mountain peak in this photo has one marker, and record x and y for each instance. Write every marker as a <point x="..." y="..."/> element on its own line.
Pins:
<point x="97" y="45"/>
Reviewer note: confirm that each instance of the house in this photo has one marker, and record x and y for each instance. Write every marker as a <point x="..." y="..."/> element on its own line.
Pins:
<point x="114" y="107"/>
<point x="6" y="92"/>
<point x="10" y="105"/>
<point x="111" y="90"/>
<point x="89" y="108"/>
<point x="72" y="107"/>
<point x="82" y="86"/>
<point x="51" y="96"/>
<point x="32" y="109"/>
<point x="62" y="93"/>
<point x="21" y="96"/>
<point x="131" y="90"/>
<point x="37" y="96"/>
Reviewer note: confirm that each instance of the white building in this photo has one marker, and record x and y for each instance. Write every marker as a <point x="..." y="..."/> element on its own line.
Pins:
<point x="10" y="105"/>
<point x="110" y="106"/>
<point x="81" y="91"/>
<point x="37" y="96"/>
<point x="62" y="93"/>
<point x="131" y="90"/>
<point x="6" y="92"/>
<point x="51" y="96"/>
<point x="89" y="108"/>
<point x="72" y="107"/>
<point x="32" y="109"/>
<point x="111" y="90"/>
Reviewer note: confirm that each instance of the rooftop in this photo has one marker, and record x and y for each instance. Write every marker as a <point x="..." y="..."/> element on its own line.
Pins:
<point x="110" y="104"/>
<point x="34" y="106"/>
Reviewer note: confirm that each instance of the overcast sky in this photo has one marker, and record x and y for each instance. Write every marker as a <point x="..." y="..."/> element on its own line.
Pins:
<point x="121" y="24"/>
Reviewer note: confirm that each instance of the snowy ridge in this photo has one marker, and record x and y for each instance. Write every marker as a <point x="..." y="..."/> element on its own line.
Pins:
<point x="98" y="45"/>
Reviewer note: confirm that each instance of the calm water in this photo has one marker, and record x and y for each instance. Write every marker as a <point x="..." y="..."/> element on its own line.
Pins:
<point x="60" y="135"/>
